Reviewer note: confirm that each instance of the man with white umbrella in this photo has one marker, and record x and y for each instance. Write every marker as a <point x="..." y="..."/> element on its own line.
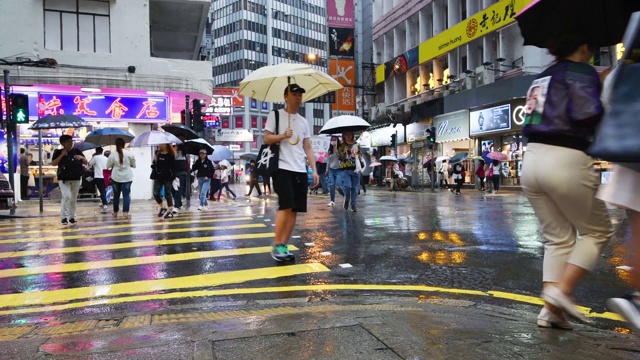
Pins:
<point x="290" y="180"/>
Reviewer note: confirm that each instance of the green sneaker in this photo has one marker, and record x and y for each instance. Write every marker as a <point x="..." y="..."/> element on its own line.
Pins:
<point x="281" y="252"/>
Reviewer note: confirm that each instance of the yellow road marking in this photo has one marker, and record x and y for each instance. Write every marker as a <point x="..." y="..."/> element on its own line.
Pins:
<point x="151" y="286"/>
<point x="128" y="233"/>
<point x="303" y="288"/>
<point x="134" y="261"/>
<point x="121" y="226"/>
<point x="128" y="245"/>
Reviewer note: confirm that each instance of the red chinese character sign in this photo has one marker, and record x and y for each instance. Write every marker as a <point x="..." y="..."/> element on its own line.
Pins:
<point x="345" y="73"/>
<point x="105" y="107"/>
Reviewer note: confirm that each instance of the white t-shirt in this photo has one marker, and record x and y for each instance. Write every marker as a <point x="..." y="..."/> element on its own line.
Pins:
<point x="99" y="163"/>
<point x="292" y="157"/>
<point x="121" y="172"/>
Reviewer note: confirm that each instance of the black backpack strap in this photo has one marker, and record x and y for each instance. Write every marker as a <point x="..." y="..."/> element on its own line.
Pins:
<point x="277" y="120"/>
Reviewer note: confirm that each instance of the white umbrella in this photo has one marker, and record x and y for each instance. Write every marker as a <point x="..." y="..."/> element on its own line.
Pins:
<point x="220" y="153"/>
<point x="342" y="123"/>
<point x="154" y="137"/>
<point x="268" y="82"/>
<point x="388" y="158"/>
<point x="440" y="158"/>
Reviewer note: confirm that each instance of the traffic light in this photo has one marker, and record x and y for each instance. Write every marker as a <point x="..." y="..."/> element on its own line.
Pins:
<point x="198" y="123"/>
<point x="431" y="135"/>
<point x="19" y="108"/>
<point x="393" y="140"/>
<point x="183" y="118"/>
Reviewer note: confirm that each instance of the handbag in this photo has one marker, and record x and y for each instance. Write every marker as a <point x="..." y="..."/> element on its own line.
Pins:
<point x="616" y="136"/>
<point x="269" y="155"/>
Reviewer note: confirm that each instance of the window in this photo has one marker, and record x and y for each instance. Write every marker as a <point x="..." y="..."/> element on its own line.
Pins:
<point x="77" y="25"/>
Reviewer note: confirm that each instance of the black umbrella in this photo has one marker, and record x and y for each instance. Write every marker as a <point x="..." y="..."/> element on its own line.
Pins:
<point x="193" y="147"/>
<point x="85" y="145"/>
<point x="249" y="156"/>
<point x="178" y="130"/>
<point x="598" y="22"/>
<point x="59" y="122"/>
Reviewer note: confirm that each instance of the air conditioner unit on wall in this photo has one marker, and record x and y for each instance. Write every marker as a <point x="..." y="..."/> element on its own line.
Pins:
<point x="485" y="77"/>
<point x="466" y="83"/>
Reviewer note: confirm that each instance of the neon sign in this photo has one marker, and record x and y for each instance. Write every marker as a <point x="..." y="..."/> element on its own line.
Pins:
<point x="104" y="107"/>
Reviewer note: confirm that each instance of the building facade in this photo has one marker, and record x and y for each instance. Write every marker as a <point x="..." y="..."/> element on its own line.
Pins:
<point x="115" y="63"/>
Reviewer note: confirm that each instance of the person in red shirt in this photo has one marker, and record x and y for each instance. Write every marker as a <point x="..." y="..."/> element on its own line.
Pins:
<point x="480" y="174"/>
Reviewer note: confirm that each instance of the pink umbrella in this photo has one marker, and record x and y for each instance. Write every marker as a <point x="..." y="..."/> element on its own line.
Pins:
<point x="495" y="155"/>
<point x="375" y="163"/>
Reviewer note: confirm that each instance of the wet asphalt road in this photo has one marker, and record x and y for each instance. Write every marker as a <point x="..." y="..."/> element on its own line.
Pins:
<point x="105" y="266"/>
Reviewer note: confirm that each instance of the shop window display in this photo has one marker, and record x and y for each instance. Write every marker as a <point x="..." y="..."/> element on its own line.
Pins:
<point x="512" y="147"/>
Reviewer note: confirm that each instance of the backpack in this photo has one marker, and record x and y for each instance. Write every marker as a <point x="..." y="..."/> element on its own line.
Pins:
<point x="70" y="168"/>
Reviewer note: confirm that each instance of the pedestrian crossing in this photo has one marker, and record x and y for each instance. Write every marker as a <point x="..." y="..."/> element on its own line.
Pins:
<point x="104" y="260"/>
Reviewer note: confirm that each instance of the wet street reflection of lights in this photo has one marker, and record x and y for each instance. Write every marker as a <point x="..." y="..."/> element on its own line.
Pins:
<point x="442" y="257"/>
<point x="442" y="236"/>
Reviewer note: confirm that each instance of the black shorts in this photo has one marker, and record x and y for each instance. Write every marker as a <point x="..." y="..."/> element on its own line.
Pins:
<point x="291" y="188"/>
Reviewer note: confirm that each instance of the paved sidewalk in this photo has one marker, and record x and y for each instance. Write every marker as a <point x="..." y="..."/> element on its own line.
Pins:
<point x="319" y="328"/>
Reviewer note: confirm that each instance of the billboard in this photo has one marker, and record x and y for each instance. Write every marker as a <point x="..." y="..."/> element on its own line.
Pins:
<point x="341" y="43"/>
<point x="497" y="118"/>
<point x="341" y="13"/>
<point x="345" y="73"/>
<point x="231" y="93"/>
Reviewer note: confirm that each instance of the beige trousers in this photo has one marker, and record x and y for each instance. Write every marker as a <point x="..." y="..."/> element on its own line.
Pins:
<point x="561" y="185"/>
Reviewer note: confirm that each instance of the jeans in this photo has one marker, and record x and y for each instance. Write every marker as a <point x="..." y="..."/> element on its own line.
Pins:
<point x="157" y="186"/>
<point x="181" y="192"/>
<point x="226" y="185"/>
<point x="496" y="182"/>
<point x="351" y="183"/>
<point x="125" y="189"/>
<point x="69" y="190"/>
<point x="99" y="183"/>
<point x="203" y="185"/>
<point x="333" y="179"/>
<point x="323" y="182"/>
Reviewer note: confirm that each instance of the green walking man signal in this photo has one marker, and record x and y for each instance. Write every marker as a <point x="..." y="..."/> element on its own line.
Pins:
<point x="19" y="108"/>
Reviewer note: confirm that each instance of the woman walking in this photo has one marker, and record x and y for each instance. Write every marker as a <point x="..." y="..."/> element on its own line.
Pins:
<point x="495" y="177"/>
<point x="165" y="165"/>
<point x="225" y="182"/>
<point x="349" y="153"/>
<point x="333" y="170"/>
<point x="560" y="128"/>
<point x="480" y="174"/>
<point x="121" y="164"/>
<point x="203" y="168"/>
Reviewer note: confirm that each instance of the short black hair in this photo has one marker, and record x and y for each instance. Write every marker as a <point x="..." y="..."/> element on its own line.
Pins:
<point x="64" y="138"/>
<point x="22" y="150"/>
<point x="99" y="150"/>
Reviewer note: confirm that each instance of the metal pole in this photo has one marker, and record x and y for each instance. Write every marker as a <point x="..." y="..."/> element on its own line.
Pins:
<point x="187" y="123"/>
<point x="40" y="181"/>
<point x="9" y="136"/>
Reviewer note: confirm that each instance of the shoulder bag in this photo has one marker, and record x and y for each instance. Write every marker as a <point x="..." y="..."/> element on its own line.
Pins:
<point x="269" y="155"/>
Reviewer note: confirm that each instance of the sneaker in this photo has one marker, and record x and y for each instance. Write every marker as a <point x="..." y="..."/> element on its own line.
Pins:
<point x="175" y="210"/>
<point x="105" y="209"/>
<point x="162" y="212"/>
<point x="168" y="215"/>
<point x="64" y="221"/>
<point x="200" y="208"/>
<point x="205" y="208"/>
<point x="72" y="221"/>
<point x="281" y="252"/>
<point x="331" y="203"/>
<point x="353" y="208"/>
<point x="628" y="307"/>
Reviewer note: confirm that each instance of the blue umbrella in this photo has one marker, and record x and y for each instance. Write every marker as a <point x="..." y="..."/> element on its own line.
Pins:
<point x="220" y="153"/>
<point x="458" y="158"/>
<point x="108" y="136"/>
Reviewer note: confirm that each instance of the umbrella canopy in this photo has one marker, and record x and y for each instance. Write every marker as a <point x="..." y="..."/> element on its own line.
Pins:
<point x="59" y="122"/>
<point x="108" y="136"/>
<point x="249" y="156"/>
<point x="375" y="163"/>
<point x="342" y="123"/>
<point x="194" y="146"/>
<point x="84" y="145"/>
<point x="225" y="163"/>
<point x="442" y="158"/>
<point x="460" y="157"/>
<point x="178" y="129"/>
<point x="495" y="155"/>
<point x="268" y="82"/>
<point x="220" y="153"/>
<point x="388" y="158"/>
<point x="408" y="159"/>
<point x="154" y="137"/>
<point x="600" y="22"/>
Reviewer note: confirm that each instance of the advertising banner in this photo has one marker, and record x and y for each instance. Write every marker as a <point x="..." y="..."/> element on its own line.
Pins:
<point x="417" y="131"/>
<point x="497" y="118"/>
<point x="452" y="127"/>
<point x="341" y="43"/>
<point x="232" y="93"/>
<point x="341" y="13"/>
<point x="105" y="107"/>
<point x="345" y="73"/>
